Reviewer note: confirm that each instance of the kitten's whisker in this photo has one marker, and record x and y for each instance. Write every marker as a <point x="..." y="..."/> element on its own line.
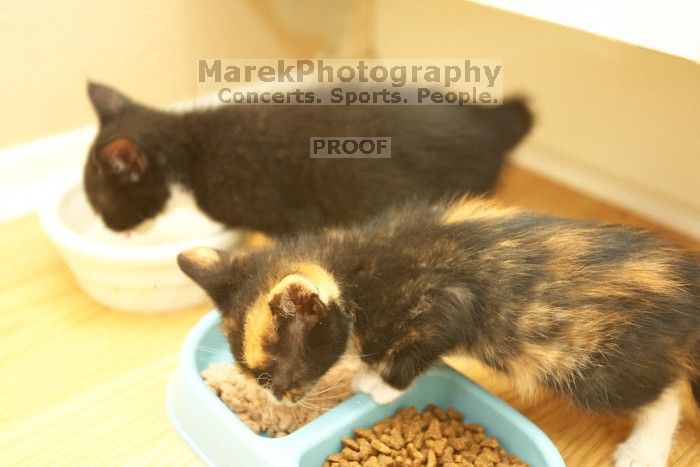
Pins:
<point x="334" y="400"/>
<point x="294" y="415"/>
<point x="312" y="406"/>
<point x="357" y="355"/>
<point x="335" y="395"/>
<point x="214" y="351"/>
<point x="341" y="381"/>
<point x="327" y="389"/>
<point x="332" y="397"/>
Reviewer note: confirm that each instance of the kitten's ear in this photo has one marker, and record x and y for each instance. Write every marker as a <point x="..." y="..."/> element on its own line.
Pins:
<point x="210" y="269"/>
<point x="123" y="158"/>
<point x="296" y="296"/>
<point x="107" y="102"/>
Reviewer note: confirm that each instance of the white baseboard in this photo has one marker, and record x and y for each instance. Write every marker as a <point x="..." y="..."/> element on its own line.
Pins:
<point x="595" y="182"/>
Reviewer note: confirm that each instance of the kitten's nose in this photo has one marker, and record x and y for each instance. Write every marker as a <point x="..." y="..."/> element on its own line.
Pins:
<point x="278" y="392"/>
<point x="279" y="388"/>
<point x="281" y="381"/>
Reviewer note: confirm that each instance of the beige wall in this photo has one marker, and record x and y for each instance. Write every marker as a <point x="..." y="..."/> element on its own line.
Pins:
<point x="48" y="49"/>
<point x="626" y="111"/>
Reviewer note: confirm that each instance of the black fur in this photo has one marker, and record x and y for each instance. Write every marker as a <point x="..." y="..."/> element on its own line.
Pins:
<point x="249" y="166"/>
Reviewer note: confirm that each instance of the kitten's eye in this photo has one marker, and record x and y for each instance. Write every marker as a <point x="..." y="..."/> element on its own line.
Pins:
<point x="264" y="379"/>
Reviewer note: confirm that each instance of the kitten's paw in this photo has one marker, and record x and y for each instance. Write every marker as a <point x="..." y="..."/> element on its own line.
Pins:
<point x="385" y="393"/>
<point x="365" y="380"/>
<point x="370" y="382"/>
<point x="633" y="455"/>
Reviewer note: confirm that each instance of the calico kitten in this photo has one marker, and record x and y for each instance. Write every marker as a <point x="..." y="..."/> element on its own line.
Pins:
<point x="249" y="166"/>
<point x="605" y="315"/>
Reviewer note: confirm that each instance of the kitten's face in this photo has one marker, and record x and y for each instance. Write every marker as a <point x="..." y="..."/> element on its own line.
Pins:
<point x="118" y="186"/>
<point x="123" y="181"/>
<point x="284" y="324"/>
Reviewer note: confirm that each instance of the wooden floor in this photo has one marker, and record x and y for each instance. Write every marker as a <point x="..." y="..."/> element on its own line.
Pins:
<point x="83" y="385"/>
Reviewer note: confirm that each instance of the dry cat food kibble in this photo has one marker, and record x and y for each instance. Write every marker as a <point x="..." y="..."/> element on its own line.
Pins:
<point x="430" y="438"/>
<point x="254" y="406"/>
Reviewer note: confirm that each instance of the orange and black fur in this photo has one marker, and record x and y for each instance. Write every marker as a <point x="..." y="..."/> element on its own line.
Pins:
<point x="605" y="315"/>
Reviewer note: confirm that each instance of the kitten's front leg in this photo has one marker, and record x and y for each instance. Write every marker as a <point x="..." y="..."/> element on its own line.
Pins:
<point x="397" y="370"/>
<point x="369" y="381"/>
<point x="649" y="444"/>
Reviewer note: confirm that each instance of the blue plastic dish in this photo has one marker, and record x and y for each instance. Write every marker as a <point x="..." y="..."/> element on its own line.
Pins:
<point x="221" y="439"/>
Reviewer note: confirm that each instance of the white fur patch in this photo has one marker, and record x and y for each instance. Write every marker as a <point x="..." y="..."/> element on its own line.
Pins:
<point x="180" y="219"/>
<point x="649" y="445"/>
<point x="181" y="196"/>
<point x="370" y="382"/>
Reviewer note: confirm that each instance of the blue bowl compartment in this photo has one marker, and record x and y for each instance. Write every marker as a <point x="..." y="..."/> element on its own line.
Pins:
<point x="220" y="438"/>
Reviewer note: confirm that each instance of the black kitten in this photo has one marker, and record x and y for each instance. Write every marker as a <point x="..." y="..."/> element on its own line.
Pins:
<point x="249" y="166"/>
<point x="606" y="316"/>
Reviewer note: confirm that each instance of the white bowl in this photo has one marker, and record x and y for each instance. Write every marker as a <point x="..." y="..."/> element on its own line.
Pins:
<point x="137" y="278"/>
